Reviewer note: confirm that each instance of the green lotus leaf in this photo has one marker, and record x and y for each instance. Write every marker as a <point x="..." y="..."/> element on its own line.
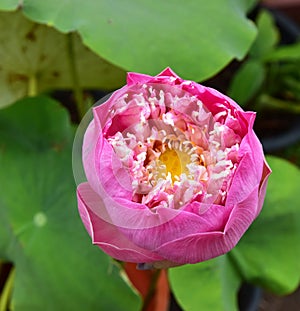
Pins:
<point x="196" y="38"/>
<point x="209" y="285"/>
<point x="37" y="58"/>
<point x="56" y="266"/>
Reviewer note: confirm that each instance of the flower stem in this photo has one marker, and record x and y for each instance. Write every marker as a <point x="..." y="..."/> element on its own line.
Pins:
<point x="151" y="290"/>
<point x="78" y="93"/>
<point x="7" y="290"/>
<point x="32" y="85"/>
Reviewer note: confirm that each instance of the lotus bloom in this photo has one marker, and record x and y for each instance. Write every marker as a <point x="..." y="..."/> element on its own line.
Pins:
<point x="175" y="173"/>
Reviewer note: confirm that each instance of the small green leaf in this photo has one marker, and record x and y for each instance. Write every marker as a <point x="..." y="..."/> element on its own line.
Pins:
<point x="57" y="267"/>
<point x="268" y="254"/>
<point x="209" y="285"/>
<point x="196" y="38"/>
<point x="267" y="36"/>
<point x="247" y="81"/>
<point x="289" y="52"/>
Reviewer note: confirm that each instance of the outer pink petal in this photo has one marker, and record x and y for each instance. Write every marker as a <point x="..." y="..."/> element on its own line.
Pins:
<point x="166" y="76"/>
<point x="149" y="229"/>
<point x="104" y="171"/>
<point x="249" y="173"/>
<point x="188" y="222"/>
<point x="203" y="246"/>
<point x="263" y="186"/>
<point x="106" y="235"/>
<point x="134" y="78"/>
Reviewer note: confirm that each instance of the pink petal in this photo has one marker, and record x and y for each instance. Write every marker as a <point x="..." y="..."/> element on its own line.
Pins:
<point x="106" y="235"/>
<point x="263" y="186"/>
<point x="163" y="77"/>
<point x="123" y="121"/>
<point x="134" y="78"/>
<point x="204" y="246"/>
<point x="104" y="170"/>
<point x="249" y="172"/>
<point x="186" y="223"/>
<point x="102" y="112"/>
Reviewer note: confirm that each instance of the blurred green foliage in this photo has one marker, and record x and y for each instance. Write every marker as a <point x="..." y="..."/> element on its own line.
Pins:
<point x="270" y="76"/>
<point x="60" y="44"/>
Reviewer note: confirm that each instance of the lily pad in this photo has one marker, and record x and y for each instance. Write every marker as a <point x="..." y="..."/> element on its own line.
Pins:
<point x="268" y="254"/>
<point x="57" y="268"/>
<point x="196" y="38"/>
<point x="37" y="58"/>
<point x="209" y="285"/>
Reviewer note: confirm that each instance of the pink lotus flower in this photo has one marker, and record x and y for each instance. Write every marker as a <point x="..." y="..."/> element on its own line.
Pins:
<point x="175" y="173"/>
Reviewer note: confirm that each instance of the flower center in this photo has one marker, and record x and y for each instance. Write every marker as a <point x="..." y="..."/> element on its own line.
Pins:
<point x="175" y="162"/>
<point x="175" y="151"/>
<point x="172" y="162"/>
